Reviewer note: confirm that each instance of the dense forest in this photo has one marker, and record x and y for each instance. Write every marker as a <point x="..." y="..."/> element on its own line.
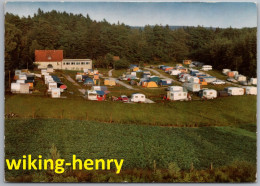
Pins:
<point x="81" y="37"/>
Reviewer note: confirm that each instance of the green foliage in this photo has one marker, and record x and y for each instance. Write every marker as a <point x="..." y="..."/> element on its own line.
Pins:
<point x="139" y="146"/>
<point x="82" y="37"/>
<point x="122" y="64"/>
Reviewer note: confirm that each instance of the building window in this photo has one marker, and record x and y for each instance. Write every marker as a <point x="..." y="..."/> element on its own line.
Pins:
<point x="68" y="63"/>
<point x="64" y="63"/>
<point x="83" y="63"/>
<point x="87" y="63"/>
<point x="72" y="63"/>
<point x="77" y="63"/>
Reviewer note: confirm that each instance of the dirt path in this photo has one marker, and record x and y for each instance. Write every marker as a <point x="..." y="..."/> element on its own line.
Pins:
<point x="121" y="82"/>
<point x="75" y="83"/>
<point x="126" y="85"/>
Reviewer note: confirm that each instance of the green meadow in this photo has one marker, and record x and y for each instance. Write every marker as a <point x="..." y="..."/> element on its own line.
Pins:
<point x="226" y="111"/>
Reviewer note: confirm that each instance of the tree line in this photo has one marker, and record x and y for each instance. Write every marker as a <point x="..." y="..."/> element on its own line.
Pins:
<point x="81" y="37"/>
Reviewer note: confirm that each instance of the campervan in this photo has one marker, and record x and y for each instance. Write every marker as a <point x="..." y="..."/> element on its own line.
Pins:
<point x="208" y="93"/>
<point x="250" y="90"/>
<point x="235" y="91"/>
<point x="225" y="71"/>
<point x="177" y="95"/>
<point x="193" y="87"/>
<point x="138" y="97"/>
<point x="253" y="81"/>
<point x="206" y="67"/>
<point x="174" y="72"/>
<point x="55" y="92"/>
<point x="175" y="88"/>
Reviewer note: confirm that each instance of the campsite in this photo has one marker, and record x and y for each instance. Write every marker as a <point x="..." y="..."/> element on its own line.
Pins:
<point x="178" y="104"/>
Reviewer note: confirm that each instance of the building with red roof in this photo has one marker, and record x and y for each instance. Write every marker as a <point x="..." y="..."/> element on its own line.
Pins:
<point x="54" y="59"/>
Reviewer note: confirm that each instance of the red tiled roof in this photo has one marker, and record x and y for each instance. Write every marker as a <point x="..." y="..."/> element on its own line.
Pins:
<point x="48" y="55"/>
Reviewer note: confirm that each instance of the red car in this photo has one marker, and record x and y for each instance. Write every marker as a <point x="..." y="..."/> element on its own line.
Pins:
<point x="123" y="98"/>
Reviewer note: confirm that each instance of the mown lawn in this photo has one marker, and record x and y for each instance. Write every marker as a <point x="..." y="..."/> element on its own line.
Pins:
<point x="217" y="74"/>
<point x="140" y="146"/>
<point x="225" y="111"/>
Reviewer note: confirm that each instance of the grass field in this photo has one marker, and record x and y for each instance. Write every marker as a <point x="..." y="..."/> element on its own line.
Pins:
<point x="225" y="111"/>
<point x="217" y="74"/>
<point x="140" y="146"/>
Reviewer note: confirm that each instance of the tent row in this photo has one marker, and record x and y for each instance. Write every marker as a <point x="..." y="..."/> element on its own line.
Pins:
<point x="54" y="84"/>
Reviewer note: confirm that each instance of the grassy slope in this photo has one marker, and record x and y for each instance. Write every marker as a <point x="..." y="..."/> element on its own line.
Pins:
<point x="138" y="145"/>
<point x="222" y="111"/>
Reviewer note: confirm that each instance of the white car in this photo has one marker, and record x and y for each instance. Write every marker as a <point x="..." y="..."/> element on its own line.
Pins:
<point x="218" y="82"/>
<point x="232" y="80"/>
<point x="182" y="80"/>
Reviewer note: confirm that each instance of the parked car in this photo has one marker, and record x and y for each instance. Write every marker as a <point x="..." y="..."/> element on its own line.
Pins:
<point x="218" y="82"/>
<point x="232" y="80"/>
<point x="244" y="83"/>
<point x="123" y="98"/>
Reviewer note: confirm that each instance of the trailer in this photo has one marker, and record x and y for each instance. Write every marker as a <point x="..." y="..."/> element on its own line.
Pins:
<point x="225" y="71"/>
<point x="175" y="88"/>
<point x="240" y="77"/>
<point x="206" y="67"/>
<point x="52" y="85"/>
<point x="250" y="90"/>
<point x="208" y="93"/>
<point x="253" y="81"/>
<point x="21" y="88"/>
<point x="194" y="80"/>
<point x="174" y="96"/>
<point x="55" y="92"/>
<point x="193" y="87"/>
<point x="234" y="91"/>
<point x="210" y="79"/>
<point x="137" y="97"/>
<point x="92" y="95"/>
<point x="174" y="72"/>
<point x="193" y="72"/>
<point x="165" y="82"/>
